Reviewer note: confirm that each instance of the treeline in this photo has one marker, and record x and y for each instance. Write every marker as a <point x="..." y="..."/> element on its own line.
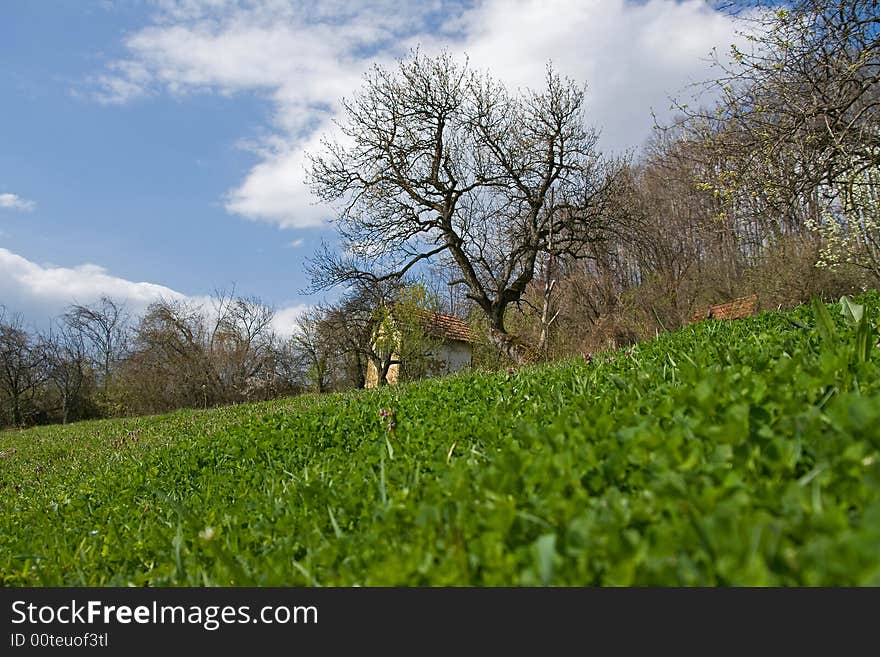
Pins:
<point x="96" y="361"/>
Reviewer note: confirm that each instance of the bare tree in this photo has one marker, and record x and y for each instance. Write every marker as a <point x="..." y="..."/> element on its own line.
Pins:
<point x="104" y="326"/>
<point x="186" y="354"/>
<point x="69" y="370"/>
<point x="314" y="348"/>
<point x="347" y="327"/>
<point x="351" y="326"/>
<point x="22" y="367"/>
<point x="241" y="345"/>
<point x="170" y="366"/>
<point x="809" y="90"/>
<point x="440" y="160"/>
<point x="382" y="325"/>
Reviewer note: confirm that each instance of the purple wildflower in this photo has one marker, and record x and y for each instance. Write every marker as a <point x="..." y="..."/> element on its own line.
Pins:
<point x="388" y="415"/>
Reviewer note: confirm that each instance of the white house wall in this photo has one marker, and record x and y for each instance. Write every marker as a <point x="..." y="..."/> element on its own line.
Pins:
<point x="454" y="357"/>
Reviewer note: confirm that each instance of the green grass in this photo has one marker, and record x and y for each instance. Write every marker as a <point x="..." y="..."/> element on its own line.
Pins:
<point x="728" y="453"/>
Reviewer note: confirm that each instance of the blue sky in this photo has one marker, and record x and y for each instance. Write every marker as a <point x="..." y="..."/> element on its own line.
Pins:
<point x="157" y="148"/>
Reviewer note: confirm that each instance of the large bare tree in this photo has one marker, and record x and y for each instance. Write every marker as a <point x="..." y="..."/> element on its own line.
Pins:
<point x="435" y="160"/>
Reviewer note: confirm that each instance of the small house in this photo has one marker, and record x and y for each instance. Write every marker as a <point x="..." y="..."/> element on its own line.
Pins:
<point x="450" y="348"/>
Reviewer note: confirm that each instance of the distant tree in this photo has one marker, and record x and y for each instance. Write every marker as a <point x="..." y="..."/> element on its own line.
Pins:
<point x="314" y="349"/>
<point x="22" y="368"/>
<point x="347" y="328"/>
<point x="169" y="366"/>
<point x="70" y="371"/>
<point x="103" y="325"/>
<point x="187" y="354"/>
<point x="242" y="345"/>
<point x="438" y="159"/>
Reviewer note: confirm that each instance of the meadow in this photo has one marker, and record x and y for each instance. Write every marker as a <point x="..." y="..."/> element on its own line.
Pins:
<point x="727" y="453"/>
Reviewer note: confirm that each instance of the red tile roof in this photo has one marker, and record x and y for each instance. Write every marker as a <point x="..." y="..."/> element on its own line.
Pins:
<point x="446" y="327"/>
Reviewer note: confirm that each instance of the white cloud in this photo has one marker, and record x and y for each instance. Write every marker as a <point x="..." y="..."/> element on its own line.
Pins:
<point x="305" y="56"/>
<point x="295" y="244"/>
<point x="275" y="190"/>
<point x="42" y="292"/>
<point x="284" y="319"/>
<point x="633" y="57"/>
<point x="15" y="202"/>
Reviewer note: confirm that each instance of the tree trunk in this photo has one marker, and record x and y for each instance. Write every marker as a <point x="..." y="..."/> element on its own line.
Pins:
<point x="508" y="345"/>
<point x="16" y="411"/>
<point x="547" y="318"/>
<point x="381" y="365"/>
<point x="386" y="367"/>
<point x="320" y="372"/>
<point x="504" y="342"/>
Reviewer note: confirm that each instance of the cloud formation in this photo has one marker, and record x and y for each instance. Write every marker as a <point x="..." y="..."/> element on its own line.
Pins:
<point x="15" y="202"/>
<point x="42" y="292"/>
<point x="284" y="319"/>
<point x="305" y="56"/>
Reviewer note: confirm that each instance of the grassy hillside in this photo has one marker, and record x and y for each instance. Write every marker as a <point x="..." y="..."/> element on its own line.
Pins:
<point x="727" y="453"/>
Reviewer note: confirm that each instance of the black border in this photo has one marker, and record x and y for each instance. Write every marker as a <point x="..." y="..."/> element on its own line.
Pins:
<point x="486" y="620"/>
